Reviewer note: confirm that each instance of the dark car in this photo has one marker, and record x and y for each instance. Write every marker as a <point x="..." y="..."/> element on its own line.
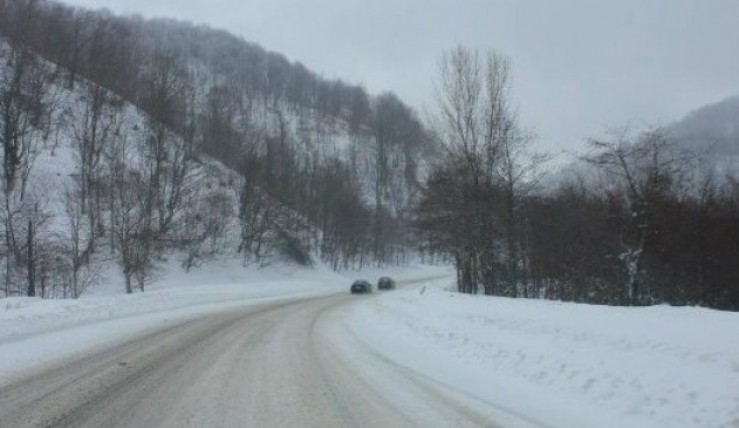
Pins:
<point x="385" y="283"/>
<point x="361" y="286"/>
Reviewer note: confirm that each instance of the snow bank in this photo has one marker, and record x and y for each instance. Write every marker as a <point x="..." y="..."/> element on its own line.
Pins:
<point x="564" y="364"/>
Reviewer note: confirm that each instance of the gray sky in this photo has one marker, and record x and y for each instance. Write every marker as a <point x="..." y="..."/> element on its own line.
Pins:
<point x="579" y="66"/>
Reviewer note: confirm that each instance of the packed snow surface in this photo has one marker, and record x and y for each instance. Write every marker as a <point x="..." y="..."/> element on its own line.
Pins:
<point x="564" y="364"/>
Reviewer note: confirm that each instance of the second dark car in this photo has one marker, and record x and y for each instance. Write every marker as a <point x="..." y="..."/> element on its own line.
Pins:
<point x="385" y="283"/>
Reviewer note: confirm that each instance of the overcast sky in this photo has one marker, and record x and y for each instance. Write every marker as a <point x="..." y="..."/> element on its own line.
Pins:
<point x="578" y="67"/>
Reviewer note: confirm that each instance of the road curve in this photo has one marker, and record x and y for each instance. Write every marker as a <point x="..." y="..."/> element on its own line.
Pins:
<point x="276" y="365"/>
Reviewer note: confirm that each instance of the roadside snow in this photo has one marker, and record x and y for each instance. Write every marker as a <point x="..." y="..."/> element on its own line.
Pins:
<point x="218" y="282"/>
<point x="563" y="364"/>
<point x="35" y="332"/>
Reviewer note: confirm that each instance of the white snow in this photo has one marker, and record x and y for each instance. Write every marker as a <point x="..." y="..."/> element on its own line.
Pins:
<point x="36" y="332"/>
<point x="563" y="364"/>
<point x="524" y="362"/>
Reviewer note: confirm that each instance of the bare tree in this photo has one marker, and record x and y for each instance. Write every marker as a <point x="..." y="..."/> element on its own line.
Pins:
<point x="165" y="153"/>
<point x="483" y="143"/>
<point x="25" y="112"/>
<point x="77" y="266"/>
<point x="93" y="126"/>
<point x="131" y="220"/>
<point x="204" y="226"/>
<point x="646" y="168"/>
<point x="256" y="216"/>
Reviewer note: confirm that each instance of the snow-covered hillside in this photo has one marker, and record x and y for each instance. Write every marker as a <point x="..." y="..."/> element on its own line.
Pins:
<point x="54" y="176"/>
<point x="563" y="364"/>
<point x="181" y="137"/>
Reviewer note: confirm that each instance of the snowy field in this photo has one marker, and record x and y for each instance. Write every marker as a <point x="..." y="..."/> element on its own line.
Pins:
<point x="562" y="364"/>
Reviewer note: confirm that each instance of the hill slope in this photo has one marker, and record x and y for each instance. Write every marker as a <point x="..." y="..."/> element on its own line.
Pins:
<point x="715" y="126"/>
<point x="169" y="136"/>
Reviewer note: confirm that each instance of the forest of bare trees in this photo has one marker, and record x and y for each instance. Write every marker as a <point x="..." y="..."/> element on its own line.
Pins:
<point x="82" y="80"/>
<point x="641" y="225"/>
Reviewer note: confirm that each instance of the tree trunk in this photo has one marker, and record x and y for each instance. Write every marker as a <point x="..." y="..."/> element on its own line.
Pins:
<point x="129" y="286"/>
<point x="31" y="273"/>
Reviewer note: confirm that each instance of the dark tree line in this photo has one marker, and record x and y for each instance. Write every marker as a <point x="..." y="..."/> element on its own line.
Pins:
<point x="646" y="227"/>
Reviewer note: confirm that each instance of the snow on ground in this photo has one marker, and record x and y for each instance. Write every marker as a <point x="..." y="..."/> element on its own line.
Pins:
<point x="563" y="364"/>
<point x="534" y="362"/>
<point x="34" y="332"/>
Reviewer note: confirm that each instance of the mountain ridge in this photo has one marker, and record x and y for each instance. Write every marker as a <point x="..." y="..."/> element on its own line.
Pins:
<point x="713" y="128"/>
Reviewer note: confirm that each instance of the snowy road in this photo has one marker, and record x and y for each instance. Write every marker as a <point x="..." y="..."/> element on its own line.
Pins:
<point x="283" y="364"/>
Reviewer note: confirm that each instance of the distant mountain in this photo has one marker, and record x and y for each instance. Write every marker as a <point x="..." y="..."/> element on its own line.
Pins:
<point x="713" y="129"/>
<point x="711" y="132"/>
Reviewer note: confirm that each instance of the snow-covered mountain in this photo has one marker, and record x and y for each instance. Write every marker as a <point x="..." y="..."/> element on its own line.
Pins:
<point x="712" y="129"/>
